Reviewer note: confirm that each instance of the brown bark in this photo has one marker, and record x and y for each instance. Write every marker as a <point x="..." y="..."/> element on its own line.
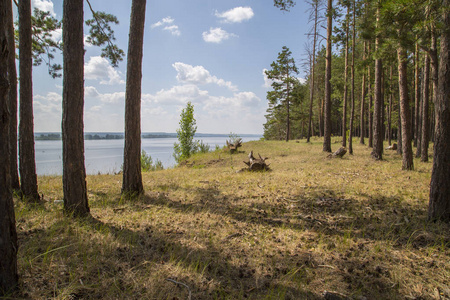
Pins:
<point x="416" y="96"/>
<point x="12" y="97"/>
<point x="439" y="205"/>
<point x="352" y="112"/>
<point x="327" y="110"/>
<point x="132" y="177"/>
<point x="425" y="137"/>
<point x="407" y="162"/>
<point x="27" y="164"/>
<point x="391" y="95"/>
<point x="344" y="104"/>
<point x="311" y="92"/>
<point x="363" y="98"/>
<point x="377" y="152"/>
<point x="8" y="236"/>
<point x="369" y="87"/>
<point x="74" y="172"/>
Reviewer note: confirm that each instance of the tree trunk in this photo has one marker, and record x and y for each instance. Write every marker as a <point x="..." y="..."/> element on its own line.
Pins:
<point x="407" y="163"/>
<point x="425" y="108"/>
<point x="369" y="86"/>
<point x="12" y="96"/>
<point x="327" y="112"/>
<point x="27" y="166"/>
<point x="352" y="112"/>
<point x="344" y="104"/>
<point x="391" y="95"/>
<point x="74" y="172"/>
<point x="8" y="235"/>
<point x="416" y="96"/>
<point x="311" y="92"/>
<point x="439" y="205"/>
<point x="288" y="123"/>
<point x="377" y="152"/>
<point x="132" y="177"/>
<point x="399" y="132"/>
<point x="363" y="98"/>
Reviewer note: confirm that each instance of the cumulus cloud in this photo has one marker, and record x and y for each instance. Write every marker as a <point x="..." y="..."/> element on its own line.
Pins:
<point x="167" y="22"/>
<point x="178" y="95"/>
<point x="236" y="15"/>
<point x="109" y="98"/>
<point x="199" y="75"/>
<point x="44" y="5"/>
<point x="173" y="29"/>
<point x="98" y="68"/>
<point x="47" y="111"/>
<point x="216" y="35"/>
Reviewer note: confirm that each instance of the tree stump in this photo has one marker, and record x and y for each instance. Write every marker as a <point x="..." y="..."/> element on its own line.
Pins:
<point x="233" y="147"/>
<point x="339" y="153"/>
<point x="257" y="164"/>
<point x="392" y="147"/>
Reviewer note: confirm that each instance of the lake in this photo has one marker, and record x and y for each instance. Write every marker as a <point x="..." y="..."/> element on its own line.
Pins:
<point x="106" y="156"/>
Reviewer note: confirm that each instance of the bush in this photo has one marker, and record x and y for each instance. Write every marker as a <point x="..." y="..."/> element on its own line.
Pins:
<point x="147" y="163"/>
<point x="186" y="146"/>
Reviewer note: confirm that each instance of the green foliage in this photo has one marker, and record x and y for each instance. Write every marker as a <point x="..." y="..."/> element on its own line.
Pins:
<point x="43" y="45"/>
<point x="147" y="163"/>
<point x="284" y="4"/>
<point x="234" y="137"/>
<point x="101" y="33"/>
<point x="186" y="146"/>
<point x="201" y="147"/>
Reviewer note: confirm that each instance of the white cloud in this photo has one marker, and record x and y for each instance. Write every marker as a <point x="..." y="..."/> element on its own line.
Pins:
<point x="110" y="98"/>
<point x="236" y="15"/>
<point x="98" y="68"/>
<point x="216" y="35"/>
<point x="96" y="108"/>
<point x="47" y="110"/>
<point x="166" y="20"/>
<point x="178" y="95"/>
<point x="44" y="5"/>
<point x="173" y="29"/>
<point x="199" y="75"/>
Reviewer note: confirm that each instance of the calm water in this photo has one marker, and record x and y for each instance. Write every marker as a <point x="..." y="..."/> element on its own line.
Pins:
<point x="106" y="156"/>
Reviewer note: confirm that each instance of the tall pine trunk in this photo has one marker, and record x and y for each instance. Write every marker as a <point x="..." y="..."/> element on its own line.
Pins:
<point x="370" y="92"/>
<point x="407" y="162"/>
<point x="12" y="97"/>
<point x="327" y="100"/>
<point x="344" y="103"/>
<point x="377" y="151"/>
<point x="416" y="96"/>
<point x="311" y="92"/>
<point x="27" y="164"/>
<point x="439" y="205"/>
<point x="352" y="111"/>
<point x="132" y="177"/>
<point x="8" y="235"/>
<point x="363" y="98"/>
<point x="425" y="137"/>
<point x="74" y="172"/>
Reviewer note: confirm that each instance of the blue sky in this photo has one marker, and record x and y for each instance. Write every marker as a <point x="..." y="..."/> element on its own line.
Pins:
<point x="209" y="52"/>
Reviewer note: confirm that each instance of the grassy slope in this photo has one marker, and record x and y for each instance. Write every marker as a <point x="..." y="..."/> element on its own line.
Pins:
<point x="353" y="225"/>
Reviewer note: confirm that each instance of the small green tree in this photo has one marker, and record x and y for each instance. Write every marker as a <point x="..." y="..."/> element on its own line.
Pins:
<point x="186" y="146"/>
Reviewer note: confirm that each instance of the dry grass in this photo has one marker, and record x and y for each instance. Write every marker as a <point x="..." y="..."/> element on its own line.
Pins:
<point x="353" y="225"/>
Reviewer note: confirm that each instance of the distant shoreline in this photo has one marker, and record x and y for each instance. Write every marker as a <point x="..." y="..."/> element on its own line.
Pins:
<point x="54" y="136"/>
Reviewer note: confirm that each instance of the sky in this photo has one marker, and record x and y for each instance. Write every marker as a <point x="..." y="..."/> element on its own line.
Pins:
<point x="210" y="52"/>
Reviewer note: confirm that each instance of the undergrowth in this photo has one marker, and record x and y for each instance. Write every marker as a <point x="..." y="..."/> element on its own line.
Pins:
<point x="353" y="226"/>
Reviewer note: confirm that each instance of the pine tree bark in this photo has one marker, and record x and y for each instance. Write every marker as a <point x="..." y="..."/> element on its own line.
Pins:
<point x="12" y="97"/>
<point x="352" y="110"/>
<point x="439" y="205"/>
<point x="407" y="162"/>
<point x="344" y="102"/>
<point x="74" y="172"/>
<point x="377" y="152"/>
<point x="363" y="99"/>
<point x="8" y="235"/>
<point x="369" y="87"/>
<point x="425" y="137"/>
<point x="327" y="110"/>
<point x="311" y="92"/>
<point x="416" y="96"/>
<point x="27" y="163"/>
<point x="132" y="177"/>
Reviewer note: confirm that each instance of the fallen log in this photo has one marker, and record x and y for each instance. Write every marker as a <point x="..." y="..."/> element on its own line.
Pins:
<point x="233" y="147"/>
<point x="256" y="164"/>
<point x="339" y="153"/>
<point x="392" y="147"/>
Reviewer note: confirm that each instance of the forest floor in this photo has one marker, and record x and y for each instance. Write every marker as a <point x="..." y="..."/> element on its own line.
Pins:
<point x="354" y="227"/>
